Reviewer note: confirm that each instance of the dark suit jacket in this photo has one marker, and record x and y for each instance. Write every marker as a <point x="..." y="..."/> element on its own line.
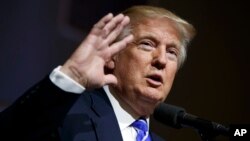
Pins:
<point x="45" y="112"/>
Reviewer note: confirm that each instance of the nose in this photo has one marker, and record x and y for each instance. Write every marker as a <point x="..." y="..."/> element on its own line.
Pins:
<point x="159" y="58"/>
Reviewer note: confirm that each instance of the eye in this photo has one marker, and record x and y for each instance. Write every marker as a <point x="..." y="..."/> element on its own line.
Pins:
<point x="172" y="53"/>
<point x="146" y="44"/>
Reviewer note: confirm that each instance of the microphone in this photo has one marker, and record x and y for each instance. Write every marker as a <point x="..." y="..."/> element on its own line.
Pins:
<point x="177" y="117"/>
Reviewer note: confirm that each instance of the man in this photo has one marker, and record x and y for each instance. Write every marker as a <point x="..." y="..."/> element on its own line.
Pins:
<point x="123" y="69"/>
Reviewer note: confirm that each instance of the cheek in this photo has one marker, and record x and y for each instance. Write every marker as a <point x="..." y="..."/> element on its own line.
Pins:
<point x="129" y="73"/>
<point x="170" y="75"/>
<point x="132" y="64"/>
<point x="125" y="71"/>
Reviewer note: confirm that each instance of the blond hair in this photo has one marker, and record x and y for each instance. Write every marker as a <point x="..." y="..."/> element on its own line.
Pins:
<point x="185" y="29"/>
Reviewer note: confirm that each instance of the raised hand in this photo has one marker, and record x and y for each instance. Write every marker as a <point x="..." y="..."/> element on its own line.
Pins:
<point x="86" y="64"/>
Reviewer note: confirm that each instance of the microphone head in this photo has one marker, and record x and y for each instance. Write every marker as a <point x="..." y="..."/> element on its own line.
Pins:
<point x="168" y="114"/>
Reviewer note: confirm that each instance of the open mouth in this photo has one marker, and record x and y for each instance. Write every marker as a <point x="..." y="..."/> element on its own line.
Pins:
<point x="155" y="80"/>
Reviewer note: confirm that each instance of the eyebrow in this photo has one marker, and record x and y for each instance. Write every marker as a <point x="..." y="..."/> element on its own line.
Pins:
<point x="152" y="37"/>
<point x="147" y="36"/>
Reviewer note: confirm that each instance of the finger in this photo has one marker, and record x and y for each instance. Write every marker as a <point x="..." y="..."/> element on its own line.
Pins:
<point x="110" y="64"/>
<point x="101" y="23"/>
<point x="120" y="45"/>
<point x="112" y="24"/>
<point x="110" y="79"/>
<point x="116" y="32"/>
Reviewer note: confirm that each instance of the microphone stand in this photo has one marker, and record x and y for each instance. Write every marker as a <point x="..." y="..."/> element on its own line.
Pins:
<point x="207" y="130"/>
<point x="176" y="117"/>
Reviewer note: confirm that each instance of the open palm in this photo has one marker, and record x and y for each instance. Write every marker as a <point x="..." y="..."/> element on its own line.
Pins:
<point x="86" y="65"/>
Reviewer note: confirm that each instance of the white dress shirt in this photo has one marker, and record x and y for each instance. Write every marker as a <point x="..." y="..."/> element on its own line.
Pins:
<point x="123" y="117"/>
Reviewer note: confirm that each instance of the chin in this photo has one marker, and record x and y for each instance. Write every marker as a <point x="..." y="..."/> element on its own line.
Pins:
<point x="153" y="95"/>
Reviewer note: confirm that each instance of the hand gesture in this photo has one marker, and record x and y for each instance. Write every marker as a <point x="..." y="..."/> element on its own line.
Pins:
<point x="86" y="64"/>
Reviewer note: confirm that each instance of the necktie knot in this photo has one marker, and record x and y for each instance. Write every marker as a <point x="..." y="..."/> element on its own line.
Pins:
<point x="140" y="124"/>
<point x="141" y="128"/>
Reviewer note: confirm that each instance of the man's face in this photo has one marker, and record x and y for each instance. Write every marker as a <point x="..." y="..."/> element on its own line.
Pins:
<point x="146" y="68"/>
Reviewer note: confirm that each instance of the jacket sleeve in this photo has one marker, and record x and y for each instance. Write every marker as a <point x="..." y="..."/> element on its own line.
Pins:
<point x="37" y="113"/>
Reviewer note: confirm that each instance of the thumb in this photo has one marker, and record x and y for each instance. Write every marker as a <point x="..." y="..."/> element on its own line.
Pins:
<point x="110" y="79"/>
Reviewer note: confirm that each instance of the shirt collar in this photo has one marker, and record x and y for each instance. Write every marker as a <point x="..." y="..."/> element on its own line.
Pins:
<point x="123" y="117"/>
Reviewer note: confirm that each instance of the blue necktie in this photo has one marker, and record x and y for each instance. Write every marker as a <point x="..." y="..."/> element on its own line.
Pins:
<point x="141" y="128"/>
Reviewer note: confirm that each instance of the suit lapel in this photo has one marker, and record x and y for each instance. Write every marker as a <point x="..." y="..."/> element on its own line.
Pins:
<point x="106" y="124"/>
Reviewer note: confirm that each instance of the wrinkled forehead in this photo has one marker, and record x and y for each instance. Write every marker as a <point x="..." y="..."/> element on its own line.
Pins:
<point x="161" y="28"/>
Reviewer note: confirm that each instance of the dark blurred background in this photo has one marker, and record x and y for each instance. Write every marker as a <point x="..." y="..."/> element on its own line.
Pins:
<point x="38" y="35"/>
